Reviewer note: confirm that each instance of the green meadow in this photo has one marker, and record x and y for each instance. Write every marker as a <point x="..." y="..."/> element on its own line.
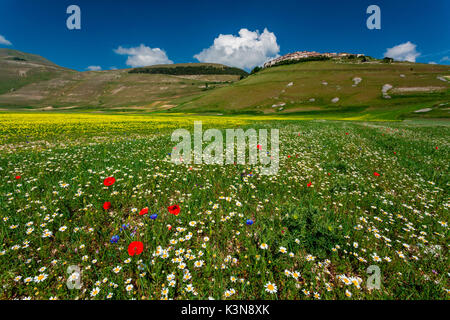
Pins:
<point x="348" y="196"/>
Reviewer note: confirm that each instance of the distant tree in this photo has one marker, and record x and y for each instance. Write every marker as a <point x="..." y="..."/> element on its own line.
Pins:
<point x="388" y="60"/>
<point x="256" y="69"/>
<point x="190" y="70"/>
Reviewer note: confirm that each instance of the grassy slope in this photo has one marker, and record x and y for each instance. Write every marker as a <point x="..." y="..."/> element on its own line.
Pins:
<point x="48" y="86"/>
<point x="36" y="69"/>
<point x="259" y="92"/>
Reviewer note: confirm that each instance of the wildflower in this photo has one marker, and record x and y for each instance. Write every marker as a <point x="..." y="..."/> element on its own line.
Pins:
<point x="310" y="257"/>
<point x="175" y="209"/>
<point x="283" y="250"/>
<point x="153" y="216"/>
<point x="109" y="181"/>
<point x="264" y="246"/>
<point x="114" y="239"/>
<point x="198" y="263"/>
<point x="376" y="258"/>
<point x="249" y="222"/>
<point x="95" y="291"/>
<point x="40" y="277"/>
<point x="443" y="223"/>
<point x="143" y="211"/>
<point x="117" y="269"/>
<point x="107" y="205"/>
<point x="135" y="247"/>
<point x="271" y="287"/>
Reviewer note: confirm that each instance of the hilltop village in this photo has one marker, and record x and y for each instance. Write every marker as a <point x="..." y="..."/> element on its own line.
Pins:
<point x="309" y="54"/>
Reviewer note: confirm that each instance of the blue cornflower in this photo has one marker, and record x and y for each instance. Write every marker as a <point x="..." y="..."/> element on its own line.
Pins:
<point x="153" y="216"/>
<point x="114" y="239"/>
<point x="249" y="222"/>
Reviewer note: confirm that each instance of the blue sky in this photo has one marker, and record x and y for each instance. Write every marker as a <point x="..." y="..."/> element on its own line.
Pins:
<point x="183" y="29"/>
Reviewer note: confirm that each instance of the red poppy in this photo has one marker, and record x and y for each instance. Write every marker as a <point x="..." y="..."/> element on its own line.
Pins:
<point x="309" y="184"/>
<point x="107" y="205"/>
<point x="18" y="177"/>
<point x="169" y="227"/>
<point x="258" y="147"/>
<point x="109" y="181"/>
<point x="436" y="148"/>
<point x="289" y="156"/>
<point x="376" y="174"/>
<point x="143" y="211"/>
<point x="346" y="133"/>
<point x="175" y="209"/>
<point x="135" y="248"/>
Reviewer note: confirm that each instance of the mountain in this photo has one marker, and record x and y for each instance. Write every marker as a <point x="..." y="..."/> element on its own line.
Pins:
<point x="32" y="82"/>
<point x="336" y="89"/>
<point x="18" y="69"/>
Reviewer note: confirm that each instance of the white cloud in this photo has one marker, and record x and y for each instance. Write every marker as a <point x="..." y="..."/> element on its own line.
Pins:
<point x="4" y="41"/>
<point x="432" y="62"/>
<point x="143" y="56"/>
<point x="403" y="52"/>
<point x="94" y="68"/>
<point x="446" y="58"/>
<point x="247" y="50"/>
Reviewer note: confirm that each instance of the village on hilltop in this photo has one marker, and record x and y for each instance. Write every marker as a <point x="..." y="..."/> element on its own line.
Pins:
<point x="308" y="54"/>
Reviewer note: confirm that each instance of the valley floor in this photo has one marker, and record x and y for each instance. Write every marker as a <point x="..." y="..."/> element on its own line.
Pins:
<point x="348" y="197"/>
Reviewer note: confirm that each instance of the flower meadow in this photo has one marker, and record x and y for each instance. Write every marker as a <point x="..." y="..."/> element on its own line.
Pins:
<point x="99" y="194"/>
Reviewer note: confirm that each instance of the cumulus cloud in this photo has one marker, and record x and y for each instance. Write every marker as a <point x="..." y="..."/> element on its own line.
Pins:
<point x="247" y="50"/>
<point x="4" y="41"/>
<point x="446" y="58"/>
<point x="94" y="68"/>
<point x="143" y="56"/>
<point x="403" y="52"/>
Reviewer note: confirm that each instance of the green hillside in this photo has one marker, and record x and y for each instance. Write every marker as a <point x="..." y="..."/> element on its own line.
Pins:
<point x="331" y="89"/>
<point x="18" y="69"/>
<point x="32" y="82"/>
<point x="309" y="88"/>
